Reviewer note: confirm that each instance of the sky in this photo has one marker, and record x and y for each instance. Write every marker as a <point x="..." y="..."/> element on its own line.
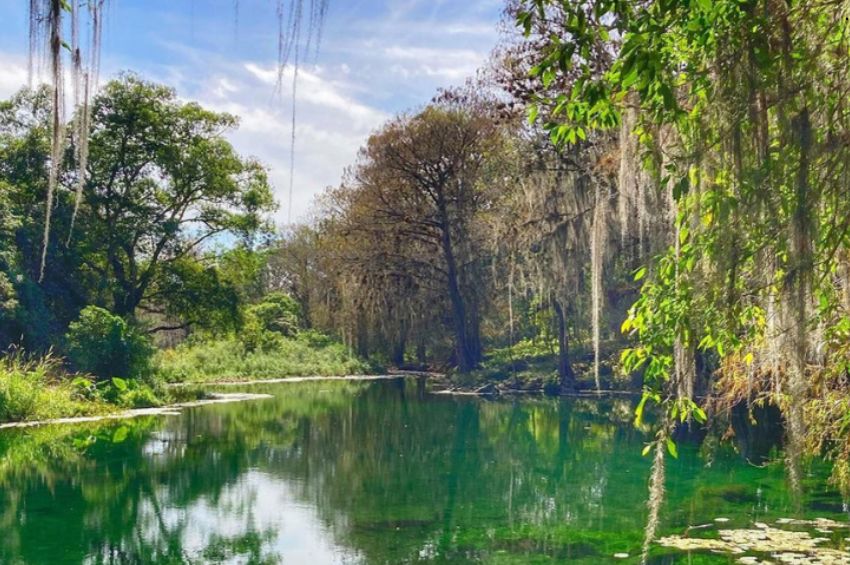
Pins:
<point x="377" y="58"/>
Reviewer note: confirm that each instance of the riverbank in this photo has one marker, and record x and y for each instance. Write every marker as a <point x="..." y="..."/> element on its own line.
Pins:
<point x="299" y="380"/>
<point x="228" y="359"/>
<point x="169" y="410"/>
<point x="41" y="390"/>
<point x="532" y="368"/>
<point x="38" y="389"/>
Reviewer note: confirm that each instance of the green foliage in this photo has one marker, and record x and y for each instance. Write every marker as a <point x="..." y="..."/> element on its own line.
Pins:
<point x="242" y="268"/>
<point x="30" y="390"/>
<point x="196" y="294"/>
<point x="181" y="184"/>
<point x="524" y="349"/>
<point x="8" y="255"/>
<point x="228" y="359"/>
<point x="116" y="391"/>
<point x="106" y="346"/>
<point x="128" y="393"/>
<point x="266" y="323"/>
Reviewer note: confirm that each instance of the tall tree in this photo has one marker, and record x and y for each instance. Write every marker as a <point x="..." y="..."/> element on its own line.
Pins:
<point x="161" y="182"/>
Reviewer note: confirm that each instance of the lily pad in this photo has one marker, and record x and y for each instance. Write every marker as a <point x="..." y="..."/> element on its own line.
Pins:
<point x="783" y="546"/>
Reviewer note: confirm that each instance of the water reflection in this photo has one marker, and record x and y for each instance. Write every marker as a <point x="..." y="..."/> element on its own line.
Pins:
<point x="359" y="472"/>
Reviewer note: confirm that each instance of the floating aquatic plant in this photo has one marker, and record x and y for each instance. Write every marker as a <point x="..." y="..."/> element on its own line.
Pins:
<point x="770" y="544"/>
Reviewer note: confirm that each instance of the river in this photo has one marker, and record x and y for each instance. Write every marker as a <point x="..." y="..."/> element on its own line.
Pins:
<point x="373" y="472"/>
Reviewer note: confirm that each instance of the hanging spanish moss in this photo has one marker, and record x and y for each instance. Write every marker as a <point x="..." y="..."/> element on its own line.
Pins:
<point x="54" y="24"/>
<point x="656" y="494"/>
<point x="293" y="44"/>
<point x="85" y="77"/>
<point x="684" y="363"/>
<point x="628" y="183"/>
<point x="798" y="289"/>
<point x="597" y="258"/>
<point x="82" y="126"/>
<point x="47" y="20"/>
<point x="292" y="138"/>
<point x="46" y="41"/>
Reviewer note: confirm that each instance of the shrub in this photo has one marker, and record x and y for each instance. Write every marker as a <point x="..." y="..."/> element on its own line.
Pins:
<point x="129" y="394"/>
<point x="278" y="312"/>
<point x="267" y="322"/>
<point x="29" y="391"/>
<point x="19" y="391"/>
<point x="227" y="359"/>
<point x="104" y="345"/>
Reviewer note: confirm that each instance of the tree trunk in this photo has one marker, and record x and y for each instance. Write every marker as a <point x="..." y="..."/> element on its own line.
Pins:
<point x="565" y="369"/>
<point x="473" y="336"/>
<point x="399" y="346"/>
<point x="467" y="359"/>
<point x="362" y="337"/>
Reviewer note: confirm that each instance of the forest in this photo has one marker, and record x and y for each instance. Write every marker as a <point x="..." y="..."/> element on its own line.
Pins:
<point x="630" y="197"/>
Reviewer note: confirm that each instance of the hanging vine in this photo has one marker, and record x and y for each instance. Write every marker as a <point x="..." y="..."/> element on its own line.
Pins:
<point x="49" y="20"/>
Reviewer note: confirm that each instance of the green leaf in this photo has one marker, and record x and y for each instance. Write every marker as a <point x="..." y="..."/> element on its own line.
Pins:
<point x="119" y="383"/>
<point x="681" y="188"/>
<point x="646" y="449"/>
<point x="639" y="410"/>
<point x="80" y="382"/>
<point x="671" y="448"/>
<point x="120" y="434"/>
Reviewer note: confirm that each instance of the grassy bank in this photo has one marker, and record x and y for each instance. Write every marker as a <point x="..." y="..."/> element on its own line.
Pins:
<point x="42" y="389"/>
<point x="532" y="365"/>
<point x="227" y="359"/>
<point x="36" y="390"/>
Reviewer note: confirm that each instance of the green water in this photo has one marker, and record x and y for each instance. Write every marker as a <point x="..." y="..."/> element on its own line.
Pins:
<point x="377" y="472"/>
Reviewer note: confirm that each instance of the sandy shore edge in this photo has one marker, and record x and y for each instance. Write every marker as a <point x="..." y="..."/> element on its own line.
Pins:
<point x="170" y="410"/>
<point x="298" y="380"/>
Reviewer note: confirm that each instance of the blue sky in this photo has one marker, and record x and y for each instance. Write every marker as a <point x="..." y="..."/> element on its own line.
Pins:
<point x="377" y="58"/>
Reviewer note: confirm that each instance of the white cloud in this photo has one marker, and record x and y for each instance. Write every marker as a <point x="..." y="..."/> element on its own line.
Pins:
<point x="449" y="64"/>
<point x="13" y="74"/>
<point x="331" y="126"/>
<point x="378" y="57"/>
<point x="331" y="123"/>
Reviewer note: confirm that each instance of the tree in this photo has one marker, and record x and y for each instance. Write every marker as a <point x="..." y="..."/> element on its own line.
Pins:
<point x="162" y="183"/>
<point x="299" y="30"/>
<point x="739" y="110"/>
<point x="161" y="180"/>
<point x="423" y="183"/>
<point x="8" y="259"/>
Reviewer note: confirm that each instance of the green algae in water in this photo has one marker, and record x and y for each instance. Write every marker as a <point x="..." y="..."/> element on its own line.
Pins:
<point x="375" y="472"/>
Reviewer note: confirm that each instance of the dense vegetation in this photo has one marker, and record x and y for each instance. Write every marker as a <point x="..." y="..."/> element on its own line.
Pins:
<point x="675" y="210"/>
<point x="166" y="243"/>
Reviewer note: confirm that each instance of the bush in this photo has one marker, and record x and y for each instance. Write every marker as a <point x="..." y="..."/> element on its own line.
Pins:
<point x="129" y="394"/>
<point x="228" y="359"/>
<point x="29" y="391"/>
<point x="104" y="345"/>
<point x="266" y="322"/>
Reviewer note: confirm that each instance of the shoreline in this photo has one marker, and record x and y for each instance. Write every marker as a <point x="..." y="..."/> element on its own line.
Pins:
<point x="169" y="410"/>
<point x="225" y="398"/>
<point x="280" y="380"/>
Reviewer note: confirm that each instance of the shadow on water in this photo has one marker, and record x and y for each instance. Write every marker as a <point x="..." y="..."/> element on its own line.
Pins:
<point x="375" y="472"/>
